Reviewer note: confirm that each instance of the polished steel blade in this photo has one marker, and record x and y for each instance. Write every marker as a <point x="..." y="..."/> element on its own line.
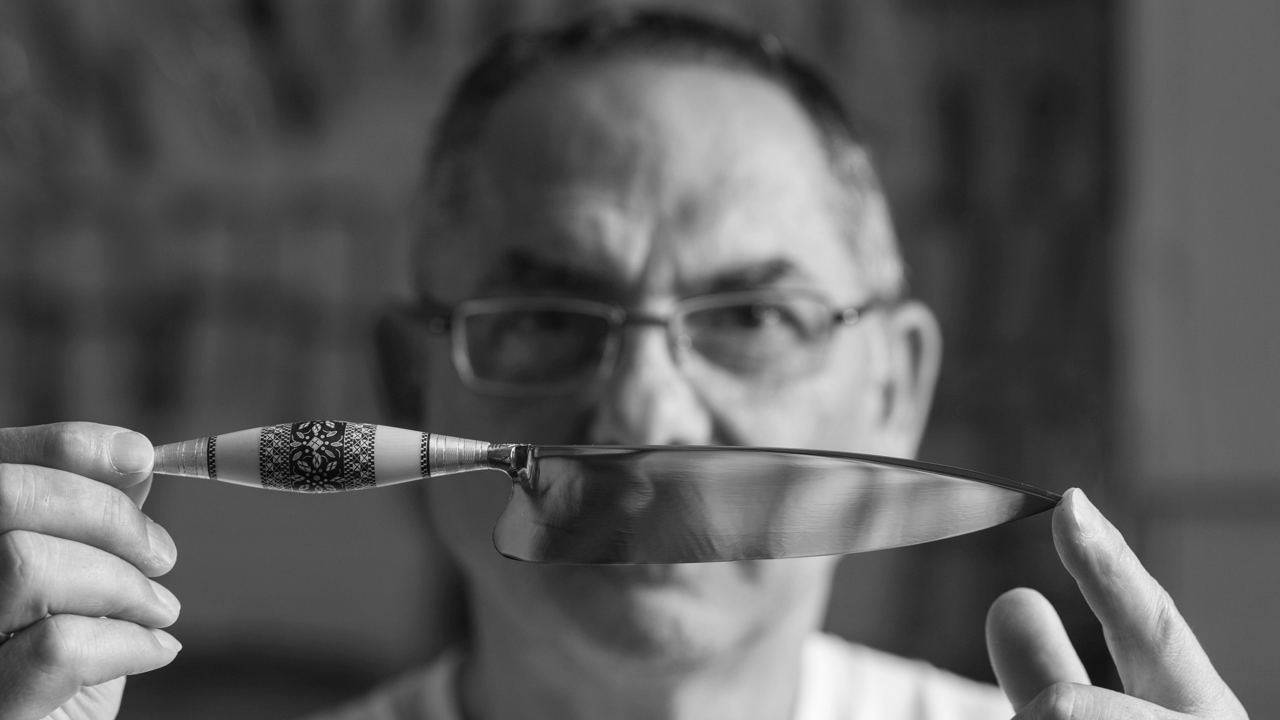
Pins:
<point x="677" y="504"/>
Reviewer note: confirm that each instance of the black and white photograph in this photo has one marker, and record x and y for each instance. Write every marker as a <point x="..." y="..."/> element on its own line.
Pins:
<point x="639" y="359"/>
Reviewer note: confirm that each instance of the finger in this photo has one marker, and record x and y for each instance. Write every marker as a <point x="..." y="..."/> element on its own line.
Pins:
<point x="138" y="493"/>
<point x="94" y="701"/>
<point x="1068" y="701"/>
<point x="112" y="455"/>
<point x="1029" y="648"/>
<point x="1157" y="655"/>
<point x="42" y="667"/>
<point x="58" y="503"/>
<point x="42" y="575"/>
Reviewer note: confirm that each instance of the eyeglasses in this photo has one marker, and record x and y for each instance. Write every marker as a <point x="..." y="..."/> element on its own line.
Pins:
<point x="535" y="346"/>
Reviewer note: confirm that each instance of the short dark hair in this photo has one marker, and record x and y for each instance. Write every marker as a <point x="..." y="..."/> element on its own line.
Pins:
<point x="516" y="56"/>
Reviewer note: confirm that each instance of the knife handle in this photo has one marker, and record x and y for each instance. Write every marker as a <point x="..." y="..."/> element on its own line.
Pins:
<point x="327" y="456"/>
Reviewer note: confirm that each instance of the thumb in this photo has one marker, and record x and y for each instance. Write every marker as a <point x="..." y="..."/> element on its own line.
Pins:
<point x="1029" y="648"/>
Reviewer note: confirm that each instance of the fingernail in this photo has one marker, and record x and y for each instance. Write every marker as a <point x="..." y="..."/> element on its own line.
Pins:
<point x="130" y="453"/>
<point x="166" y="598"/>
<point x="169" y="642"/>
<point x="1087" y="517"/>
<point x="162" y="546"/>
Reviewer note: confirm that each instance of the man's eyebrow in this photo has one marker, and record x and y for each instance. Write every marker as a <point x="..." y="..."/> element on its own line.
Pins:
<point x="750" y="277"/>
<point x="523" y="270"/>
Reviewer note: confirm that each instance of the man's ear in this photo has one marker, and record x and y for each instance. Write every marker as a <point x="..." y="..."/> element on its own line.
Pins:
<point x="401" y="359"/>
<point x="914" y="357"/>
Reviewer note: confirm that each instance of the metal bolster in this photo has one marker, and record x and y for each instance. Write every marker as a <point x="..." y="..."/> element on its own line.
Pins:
<point x="189" y="458"/>
<point x="448" y="455"/>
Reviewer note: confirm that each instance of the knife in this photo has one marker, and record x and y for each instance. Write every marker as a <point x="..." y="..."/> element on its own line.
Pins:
<point x="601" y="504"/>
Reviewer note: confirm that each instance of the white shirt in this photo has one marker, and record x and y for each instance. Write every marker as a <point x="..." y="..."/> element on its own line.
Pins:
<point x="838" y="681"/>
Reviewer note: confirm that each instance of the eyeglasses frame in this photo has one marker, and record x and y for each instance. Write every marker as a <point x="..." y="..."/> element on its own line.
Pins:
<point x="447" y="320"/>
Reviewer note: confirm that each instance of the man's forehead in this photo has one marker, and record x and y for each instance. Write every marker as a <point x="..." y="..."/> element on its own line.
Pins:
<point x="537" y="271"/>
<point x="632" y="114"/>
<point x="651" y="167"/>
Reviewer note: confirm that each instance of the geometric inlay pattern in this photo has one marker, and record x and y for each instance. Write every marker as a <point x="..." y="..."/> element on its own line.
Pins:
<point x="322" y="456"/>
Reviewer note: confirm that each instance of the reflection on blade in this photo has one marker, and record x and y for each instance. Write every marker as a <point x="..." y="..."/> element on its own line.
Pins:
<point x="605" y="505"/>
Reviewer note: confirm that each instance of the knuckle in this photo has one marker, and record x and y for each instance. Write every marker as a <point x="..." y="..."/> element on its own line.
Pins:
<point x="16" y="493"/>
<point x="53" y="643"/>
<point x="21" y="561"/>
<point x="67" y="444"/>
<point x="1165" y="621"/>
<point x="1163" y="627"/>
<point x="1059" y="701"/>
<point x="125" y="524"/>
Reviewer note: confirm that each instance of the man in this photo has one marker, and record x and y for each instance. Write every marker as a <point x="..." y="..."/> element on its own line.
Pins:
<point x="705" y="185"/>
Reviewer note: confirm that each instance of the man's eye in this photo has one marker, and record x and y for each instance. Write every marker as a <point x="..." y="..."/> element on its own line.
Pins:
<point x="769" y="315"/>
<point x="757" y="317"/>
<point x="538" y="325"/>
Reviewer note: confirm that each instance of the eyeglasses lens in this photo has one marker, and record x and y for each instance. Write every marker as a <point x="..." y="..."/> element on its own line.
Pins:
<point x="770" y="337"/>
<point x="535" y="347"/>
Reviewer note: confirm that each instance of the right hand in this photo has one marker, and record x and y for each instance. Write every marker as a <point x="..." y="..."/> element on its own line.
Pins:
<point x="1165" y="671"/>
<point x="76" y="555"/>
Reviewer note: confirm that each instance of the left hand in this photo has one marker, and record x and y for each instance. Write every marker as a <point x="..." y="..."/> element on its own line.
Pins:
<point x="1165" y="672"/>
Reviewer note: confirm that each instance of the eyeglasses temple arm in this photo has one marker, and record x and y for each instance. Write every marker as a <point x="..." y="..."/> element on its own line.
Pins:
<point x="851" y="315"/>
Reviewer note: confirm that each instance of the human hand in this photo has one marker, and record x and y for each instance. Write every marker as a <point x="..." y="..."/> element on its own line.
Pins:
<point x="1165" y="672"/>
<point x="76" y="553"/>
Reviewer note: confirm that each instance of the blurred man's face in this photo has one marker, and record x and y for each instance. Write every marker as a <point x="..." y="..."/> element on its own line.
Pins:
<point x="640" y="183"/>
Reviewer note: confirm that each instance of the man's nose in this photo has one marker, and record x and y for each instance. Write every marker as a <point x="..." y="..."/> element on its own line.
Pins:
<point x="647" y="400"/>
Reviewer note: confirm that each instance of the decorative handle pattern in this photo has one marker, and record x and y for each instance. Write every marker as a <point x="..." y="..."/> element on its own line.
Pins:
<point x="319" y="456"/>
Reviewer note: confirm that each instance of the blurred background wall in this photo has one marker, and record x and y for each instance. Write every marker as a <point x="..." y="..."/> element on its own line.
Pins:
<point x="203" y="207"/>
<point x="1200" y="327"/>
